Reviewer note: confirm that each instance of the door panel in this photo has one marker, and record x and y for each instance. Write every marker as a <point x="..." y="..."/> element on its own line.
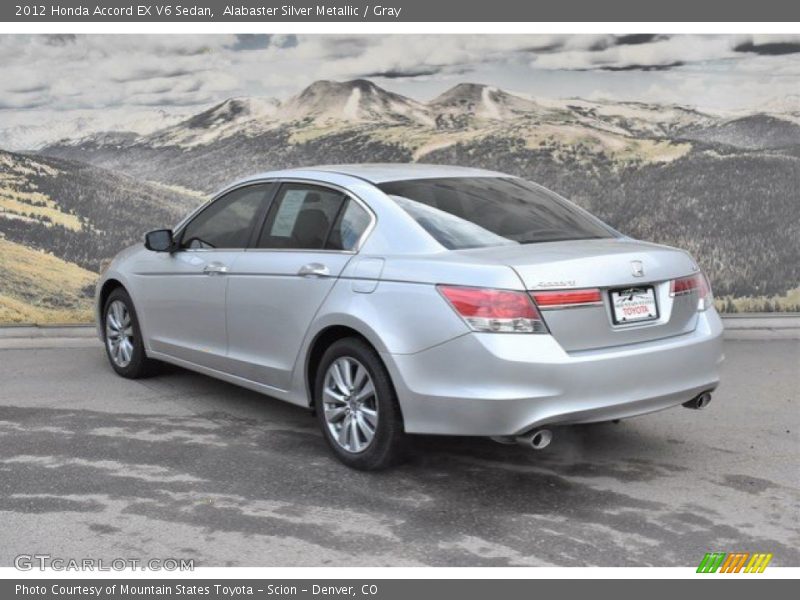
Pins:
<point x="270" y="306"/>
<point x="183" y="305"/>
<point x="182" y="294"/>
<point x="276" y="289"/>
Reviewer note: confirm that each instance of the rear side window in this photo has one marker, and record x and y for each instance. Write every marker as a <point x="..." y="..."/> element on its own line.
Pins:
<point x="310" y="217"/>
<point x="349" y="227"/>
<point x="467" y="212"/>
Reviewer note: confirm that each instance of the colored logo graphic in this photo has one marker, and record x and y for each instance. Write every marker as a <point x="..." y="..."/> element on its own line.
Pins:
<point x="735" y="562"/>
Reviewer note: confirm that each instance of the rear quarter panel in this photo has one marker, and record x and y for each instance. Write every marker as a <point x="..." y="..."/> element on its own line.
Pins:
<point x="403" y="313"/>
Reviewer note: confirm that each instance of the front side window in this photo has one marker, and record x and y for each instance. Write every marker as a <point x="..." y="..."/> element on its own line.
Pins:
<point x="310" y="217"/>
<point x="474" y="212"/>
<point x="228" y="222"/>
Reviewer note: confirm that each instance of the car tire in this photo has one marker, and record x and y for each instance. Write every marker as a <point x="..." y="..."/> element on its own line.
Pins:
<point x="388" y="442"/>
<point x="122" y="337"/>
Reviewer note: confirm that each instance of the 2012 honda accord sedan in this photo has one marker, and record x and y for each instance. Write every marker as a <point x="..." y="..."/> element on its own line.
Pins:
<point x="416" y="299"/>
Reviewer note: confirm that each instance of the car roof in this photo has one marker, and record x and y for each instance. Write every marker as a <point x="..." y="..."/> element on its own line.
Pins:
<point x="383" y="172"/>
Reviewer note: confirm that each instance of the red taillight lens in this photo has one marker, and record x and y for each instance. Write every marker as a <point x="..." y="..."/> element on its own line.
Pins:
<point x="497" y="311"/>
<point x="567" y="298"/>
<point x="693" y="283"/>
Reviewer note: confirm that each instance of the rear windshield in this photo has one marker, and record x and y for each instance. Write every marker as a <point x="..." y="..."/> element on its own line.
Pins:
<point x="466" y="212"/>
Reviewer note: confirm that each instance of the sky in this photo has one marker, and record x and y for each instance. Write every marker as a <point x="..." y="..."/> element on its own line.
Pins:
<point x="43" y="77"/>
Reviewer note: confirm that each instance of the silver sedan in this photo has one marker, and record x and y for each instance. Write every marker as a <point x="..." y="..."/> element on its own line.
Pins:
<point x="403" y="299"/>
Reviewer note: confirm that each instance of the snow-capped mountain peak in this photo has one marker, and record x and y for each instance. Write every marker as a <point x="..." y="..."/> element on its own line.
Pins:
<point x="353" y="101"/>
<point x="483" y="102"/>
<point x="230" y="117"/>
<point x="234" y="110"/>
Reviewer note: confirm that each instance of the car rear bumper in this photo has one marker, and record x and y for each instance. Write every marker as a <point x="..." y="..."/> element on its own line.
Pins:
<point x="507" y="384"/>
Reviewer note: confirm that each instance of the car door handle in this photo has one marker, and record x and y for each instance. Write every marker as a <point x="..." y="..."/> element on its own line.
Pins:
<point x="314" y="270"/>
<point x="215" y="269"/>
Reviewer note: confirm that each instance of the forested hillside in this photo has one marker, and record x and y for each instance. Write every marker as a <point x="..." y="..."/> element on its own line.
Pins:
<point x="59" y="221"/>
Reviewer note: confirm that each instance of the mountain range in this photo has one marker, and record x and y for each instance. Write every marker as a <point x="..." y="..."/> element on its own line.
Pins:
<point x="78" y="123"/>
<point x="725" y="187"/>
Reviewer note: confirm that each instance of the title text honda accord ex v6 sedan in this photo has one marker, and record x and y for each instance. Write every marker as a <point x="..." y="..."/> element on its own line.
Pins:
<point x="402" y="299"/>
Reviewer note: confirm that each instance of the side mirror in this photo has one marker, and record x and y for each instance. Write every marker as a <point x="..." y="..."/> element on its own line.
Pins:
<point x="159" y="240"/>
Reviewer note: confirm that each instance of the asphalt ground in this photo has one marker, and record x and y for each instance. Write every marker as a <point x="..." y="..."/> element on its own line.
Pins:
<point x="184" y="466"/>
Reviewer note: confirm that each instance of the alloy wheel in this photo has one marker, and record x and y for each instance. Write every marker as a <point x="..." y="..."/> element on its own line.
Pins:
<point x="119" y="333"/>
<point x="350" y="403"/>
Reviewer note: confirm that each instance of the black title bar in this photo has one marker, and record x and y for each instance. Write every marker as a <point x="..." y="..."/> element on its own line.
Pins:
<point x="391" y="589"/>
<point x="401" y="11"/>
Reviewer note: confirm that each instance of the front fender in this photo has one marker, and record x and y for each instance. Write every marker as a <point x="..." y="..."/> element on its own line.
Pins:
<point x="114" y="272"/>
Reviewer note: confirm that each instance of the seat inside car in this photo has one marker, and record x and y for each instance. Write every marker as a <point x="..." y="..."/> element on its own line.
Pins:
<point x="312" y="224"/>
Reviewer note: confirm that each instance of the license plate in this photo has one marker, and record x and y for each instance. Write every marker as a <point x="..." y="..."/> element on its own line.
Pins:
<point x="634" y="304"/>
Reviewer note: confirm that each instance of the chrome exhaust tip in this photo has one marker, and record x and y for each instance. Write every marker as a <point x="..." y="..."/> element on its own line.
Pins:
<point x="538" y="439"/>
<point x="506" y="440"/>
<point x="699" y="402"/>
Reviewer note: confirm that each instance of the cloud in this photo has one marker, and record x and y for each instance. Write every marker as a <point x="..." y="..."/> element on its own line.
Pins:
<point x="88" y="72"/>
<point x="402" y="73"/>
<point x="635" y="67"/>
<point x="29" y="89"/>
<point x="635" y="39"/>
<point x="344" y="47"/>
<point x="60" y="39"/>
<point x="604" y="42"/>
<point x="769" y="48"/>
<point x="259" y="41"/>
<point x="642" y="52"/>
<point x="11" y="103"/>
<point x="152" y="73"/>
<point x="250" y="41"/>
<point x="649" y="52"/>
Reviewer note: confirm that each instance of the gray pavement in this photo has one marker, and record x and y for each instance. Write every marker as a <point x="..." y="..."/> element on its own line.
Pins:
<point x="180" y="465"/>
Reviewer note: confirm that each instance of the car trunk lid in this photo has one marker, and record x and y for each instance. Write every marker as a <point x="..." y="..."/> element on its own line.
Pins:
<point x="635" y="269"/>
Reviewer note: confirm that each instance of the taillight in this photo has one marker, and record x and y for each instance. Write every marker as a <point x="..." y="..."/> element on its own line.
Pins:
<point x="567" y="298"/>
<point x="696" y="283"/>
<point x="495" y="311"/>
